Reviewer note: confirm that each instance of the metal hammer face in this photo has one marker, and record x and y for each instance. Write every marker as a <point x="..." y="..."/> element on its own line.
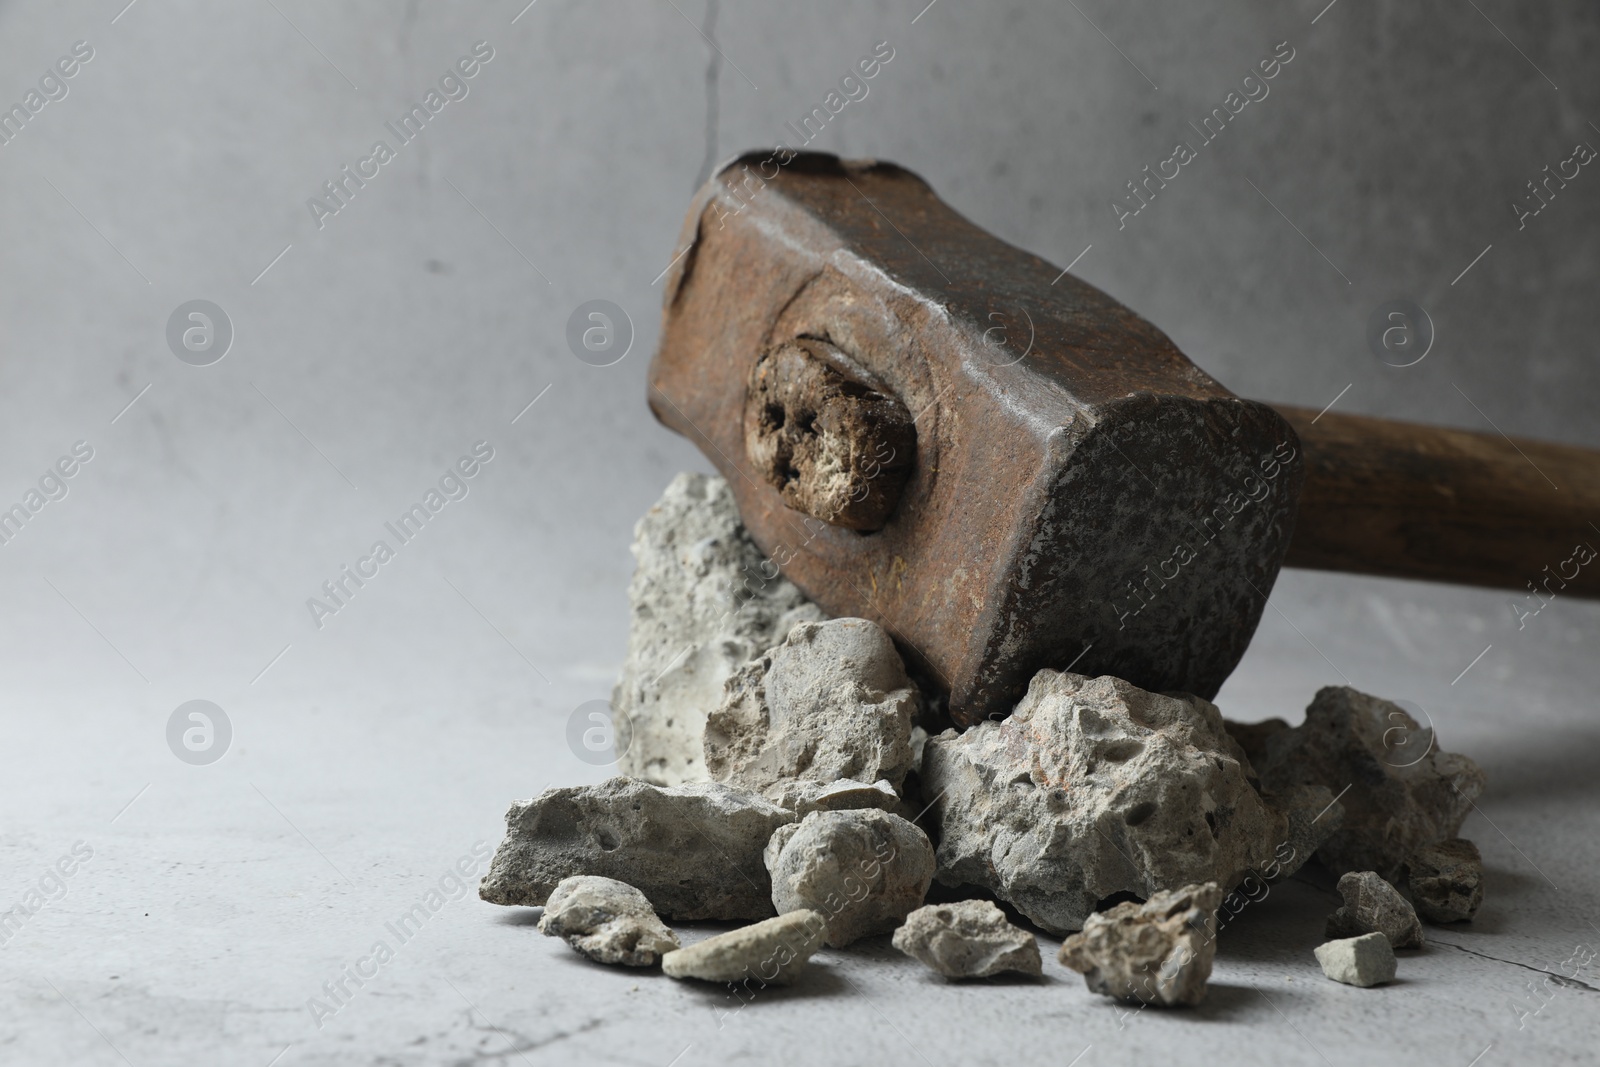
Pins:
<point x="930" y="428"/>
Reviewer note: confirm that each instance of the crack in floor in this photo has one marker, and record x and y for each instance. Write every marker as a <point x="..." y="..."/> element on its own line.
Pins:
<point x="524" y="1043"/>
<point x="1559" y="979"/>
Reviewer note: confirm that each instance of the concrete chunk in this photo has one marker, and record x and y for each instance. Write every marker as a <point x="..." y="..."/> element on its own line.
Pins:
<point x="831" y="701"/>
<point x="704" y="600"/>
<point x="606" y="920"/>
<point x="695" y="851"/>
<point x="1158" y="952"/>
<point x="1398" y="790"/>
<point x="863" y="870"/>
<point x="1093" y="787"/>
<point x="1363" y="961"/>
<point x="1373" y="905"/>
<point x="1446" y="880"/>
<point x="969" y="939"/>
<point x="772" y="952"/>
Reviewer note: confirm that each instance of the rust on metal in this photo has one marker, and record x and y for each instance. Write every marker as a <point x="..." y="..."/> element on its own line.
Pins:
<point x="1073" y="491"/>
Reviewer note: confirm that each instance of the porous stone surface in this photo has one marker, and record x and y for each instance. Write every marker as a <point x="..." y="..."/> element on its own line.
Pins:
<point x="1094" y="787"/>
<point x="703" y="600"/>
<point x="772" y="952"/>
<point x="968" y="939"/>
<point x="1373" y="905"/>
<point x="804" y="797"/>
<point x="830" y="701"/>
<point x="606" y="920"/>
<point x="1446" y="880"/>
<point x="863" y="870"/>
<point x="1403" y="792"/>
<point x="1158" y="952"/>
<point x="694" y="851"/>
<point x="1363" y="961"/>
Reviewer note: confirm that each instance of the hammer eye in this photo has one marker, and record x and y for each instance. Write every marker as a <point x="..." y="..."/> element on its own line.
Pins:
<point x="835" y="448"/>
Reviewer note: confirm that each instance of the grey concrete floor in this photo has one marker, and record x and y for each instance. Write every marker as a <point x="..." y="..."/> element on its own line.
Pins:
<point x="220" y="899"/>
<point x="373" y="750"/>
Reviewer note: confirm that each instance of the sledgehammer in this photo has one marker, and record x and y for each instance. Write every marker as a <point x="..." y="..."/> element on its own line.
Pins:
<point x="1009" y="470"/>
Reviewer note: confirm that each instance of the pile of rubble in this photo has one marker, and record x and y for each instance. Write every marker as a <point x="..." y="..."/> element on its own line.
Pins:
<point x="782" y="771"/>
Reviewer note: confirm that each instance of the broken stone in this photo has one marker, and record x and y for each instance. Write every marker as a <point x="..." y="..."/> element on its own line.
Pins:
<point x="803" y="797"/>
<point x="1312" y="811"/>
<point x="694" y="851"/>
<point x="1094" y="787"/>
<point x="1362" y="961"/>
<point x="969" y="939"/>
<point x="772" y="952"/>
<point x="831" y="701"/>
<point x="1158" y="952"/>
<point x="1399" y="792"/>
<point x="606" y="920"/>
<point x="1373" y="905"/>
<point x="704" y="599"/>
<point x="1312" y="815"/>
<point x="863" y="870"/>
<point x="1446" y="880"/>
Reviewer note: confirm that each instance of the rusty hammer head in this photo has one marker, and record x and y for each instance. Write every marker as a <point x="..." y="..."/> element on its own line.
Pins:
<point x="930" y="428"/>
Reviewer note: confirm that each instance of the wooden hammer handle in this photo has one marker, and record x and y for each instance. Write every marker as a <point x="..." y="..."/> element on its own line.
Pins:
<point x="1409" y="501"/>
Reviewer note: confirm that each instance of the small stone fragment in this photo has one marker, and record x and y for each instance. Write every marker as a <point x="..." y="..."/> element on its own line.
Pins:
<point x="863" y="870"/>
<point x="969" y="939"/>
<point x="1398" y="790"/>
<point x="831" y="701"/>
<point x="804" y="797"/>
<point x="1094" y="787"/>
<point x="1362" y="961"/>
<point x="1158" y="952"/>
<point x="1446" y="880"/>
<point x="694" y="851"/>
<point x="1371" y="904"/>
<point x="771" y="952"/>
<point x="606" y="920"/>
<point x="704" y="599"/>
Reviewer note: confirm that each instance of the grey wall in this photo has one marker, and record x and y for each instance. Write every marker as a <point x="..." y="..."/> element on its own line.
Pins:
<point x="407" y="327"/>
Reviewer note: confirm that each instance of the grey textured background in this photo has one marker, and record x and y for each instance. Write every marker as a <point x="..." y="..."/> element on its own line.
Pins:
<point x="423" y="317"/>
